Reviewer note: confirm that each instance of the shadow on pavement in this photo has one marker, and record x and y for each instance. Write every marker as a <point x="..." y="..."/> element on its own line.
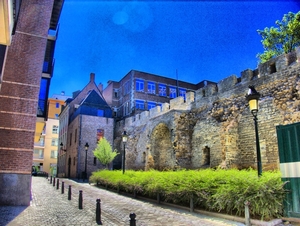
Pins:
<point x="8" y="213"/>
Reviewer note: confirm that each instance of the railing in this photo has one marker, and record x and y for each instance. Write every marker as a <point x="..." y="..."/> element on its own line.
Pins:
<point x="39" y="144"/>
<point x="38" y="156"/>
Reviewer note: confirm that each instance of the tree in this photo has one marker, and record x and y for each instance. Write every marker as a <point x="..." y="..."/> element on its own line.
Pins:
<point x="104" y="153"/>
<point x="281" y="39"/>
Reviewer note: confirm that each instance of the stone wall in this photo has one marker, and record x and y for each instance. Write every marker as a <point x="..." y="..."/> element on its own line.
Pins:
<point x="213" y="127"/>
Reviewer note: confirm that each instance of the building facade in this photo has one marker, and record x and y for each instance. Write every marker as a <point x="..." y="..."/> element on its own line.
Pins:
<point x="84" y="120"/>
<point x="46" y="143"/>
<point x="139" y="91"/>
<point x="26" y="63"/>
<point x="214" y="127"/>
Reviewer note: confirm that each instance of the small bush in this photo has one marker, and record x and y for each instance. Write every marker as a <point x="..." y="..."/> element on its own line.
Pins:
<point x="215" y="190"/>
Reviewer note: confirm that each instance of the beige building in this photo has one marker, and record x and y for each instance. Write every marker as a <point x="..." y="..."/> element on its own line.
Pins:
<point x="46" y="143"/>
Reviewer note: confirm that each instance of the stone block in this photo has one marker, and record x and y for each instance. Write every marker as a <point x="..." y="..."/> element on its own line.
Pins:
<point x="227" y="83"/>
<point x="246" y="75"/>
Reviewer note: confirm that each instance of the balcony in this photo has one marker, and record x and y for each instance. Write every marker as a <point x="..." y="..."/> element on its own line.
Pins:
<point x="40" y="144"/>
<point x="38" y="154"/>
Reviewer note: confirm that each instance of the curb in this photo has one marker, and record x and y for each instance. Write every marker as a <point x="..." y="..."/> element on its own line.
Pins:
<point x="253" y="222"/>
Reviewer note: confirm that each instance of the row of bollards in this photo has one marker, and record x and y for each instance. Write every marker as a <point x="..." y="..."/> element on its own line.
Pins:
<point x="55" y="181"/>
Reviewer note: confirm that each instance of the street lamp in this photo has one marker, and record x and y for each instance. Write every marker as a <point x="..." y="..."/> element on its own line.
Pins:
<point x="252" y="98"/>
<point x="86" y="147"/>
<point x="58" y="158"/>
<point x="124" y="139"/>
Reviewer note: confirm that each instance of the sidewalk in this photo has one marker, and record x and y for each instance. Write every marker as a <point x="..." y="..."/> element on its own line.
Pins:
<point x="50" y="207"/>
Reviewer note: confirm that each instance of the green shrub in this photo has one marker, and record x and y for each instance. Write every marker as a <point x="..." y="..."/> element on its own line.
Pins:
<point x="215" y="190"/>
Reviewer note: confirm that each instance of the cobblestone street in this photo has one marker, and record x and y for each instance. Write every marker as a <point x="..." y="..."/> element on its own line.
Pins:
<point x="50" y="207"/>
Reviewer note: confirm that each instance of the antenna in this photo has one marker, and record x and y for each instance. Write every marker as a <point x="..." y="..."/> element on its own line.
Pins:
<point x="177" y="88"/>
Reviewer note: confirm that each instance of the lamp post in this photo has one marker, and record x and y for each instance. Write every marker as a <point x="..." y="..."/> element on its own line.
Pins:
<point x="59" y="163"/>
<point x="124" y="139"/>
<point x="86" y="147"/>
<point x="252" y="98"/>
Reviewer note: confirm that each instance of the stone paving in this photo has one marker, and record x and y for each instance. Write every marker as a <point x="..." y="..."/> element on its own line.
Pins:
<point x="50" y="207"/>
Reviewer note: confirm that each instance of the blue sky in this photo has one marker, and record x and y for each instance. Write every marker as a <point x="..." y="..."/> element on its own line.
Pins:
<point x="201" y="40"/>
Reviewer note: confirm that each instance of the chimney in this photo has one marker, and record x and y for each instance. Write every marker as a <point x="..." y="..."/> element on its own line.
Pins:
<point x="100" y="87"/>
<point x="92" y="77"/>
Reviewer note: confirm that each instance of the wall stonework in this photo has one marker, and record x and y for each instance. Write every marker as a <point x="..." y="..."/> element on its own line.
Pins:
<point x="214" y="127"/>
<point x="86" y="127"/>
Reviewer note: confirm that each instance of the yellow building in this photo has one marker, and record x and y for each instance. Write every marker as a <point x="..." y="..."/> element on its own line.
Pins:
<point x="46" y="136"/>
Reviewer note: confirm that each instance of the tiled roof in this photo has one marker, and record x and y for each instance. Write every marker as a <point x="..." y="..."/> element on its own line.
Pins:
<point x="95" y="100"/>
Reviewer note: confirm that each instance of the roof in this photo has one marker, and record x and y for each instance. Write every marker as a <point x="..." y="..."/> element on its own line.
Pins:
<point x="93" y="99"/>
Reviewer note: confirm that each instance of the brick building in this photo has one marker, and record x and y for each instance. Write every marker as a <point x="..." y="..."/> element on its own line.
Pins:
<point x="26" y="63"/>
<point x="139" y="91"/>
<point x="84" y="120"/>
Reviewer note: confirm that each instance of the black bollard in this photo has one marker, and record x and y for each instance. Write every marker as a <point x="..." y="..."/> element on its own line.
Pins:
<point x="98" y="212"/>
<point x="69" y="193"/>
<point x="132" y="219"/>
<point x="57" y="184"/>
<point x="62" y="187"/>
<point x="80" y="200"/>
<point x="50" y="179"/>
<point x="53" y="181"/>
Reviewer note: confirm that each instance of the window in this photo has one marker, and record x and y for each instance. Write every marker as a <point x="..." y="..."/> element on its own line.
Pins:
<point x="126" y="108"/>
<point x="53" y="155"/>
<point x="54" y="129"/>
<point x="115" y="93"/>
<point x="2" y="54"/>
<point x="42" y="103"/>
<point x="38" y="154"/>
<point x="57" y="105"/>
<point x="74" y="160"/>
<point x="95" y="160"/>
<point x="75" y="135"/>
<point x="100" y="112"/>
<point x="139" y="104"/>
<point x="139" y="85"/>
<point x="272" y="68"/>
<point x="100" y="134"/>
<point x="127" y="87"/>
<point x="162" y="90"/>
<point x="41" y="141"/>
<point x="70" y="139"/>
<point x="151" y="87"/>
<point x="151" y="105"/>
<point x="182" y="93"/>
<point x="54" y="142"/>
<point x="173" y="92"/>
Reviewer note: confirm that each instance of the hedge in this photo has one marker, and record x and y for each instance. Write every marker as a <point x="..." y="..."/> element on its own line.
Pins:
<point x="217" y="190"/>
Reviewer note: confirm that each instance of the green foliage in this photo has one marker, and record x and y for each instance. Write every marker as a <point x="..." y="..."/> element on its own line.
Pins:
<point x="37" y="169"/>
<point x="281" y="39"/>
<point x="214" y="190"/>
<point x="104" y="153"/>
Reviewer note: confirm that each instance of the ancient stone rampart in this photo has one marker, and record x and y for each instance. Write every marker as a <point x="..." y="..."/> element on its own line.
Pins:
<point x="213" y="126"/>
